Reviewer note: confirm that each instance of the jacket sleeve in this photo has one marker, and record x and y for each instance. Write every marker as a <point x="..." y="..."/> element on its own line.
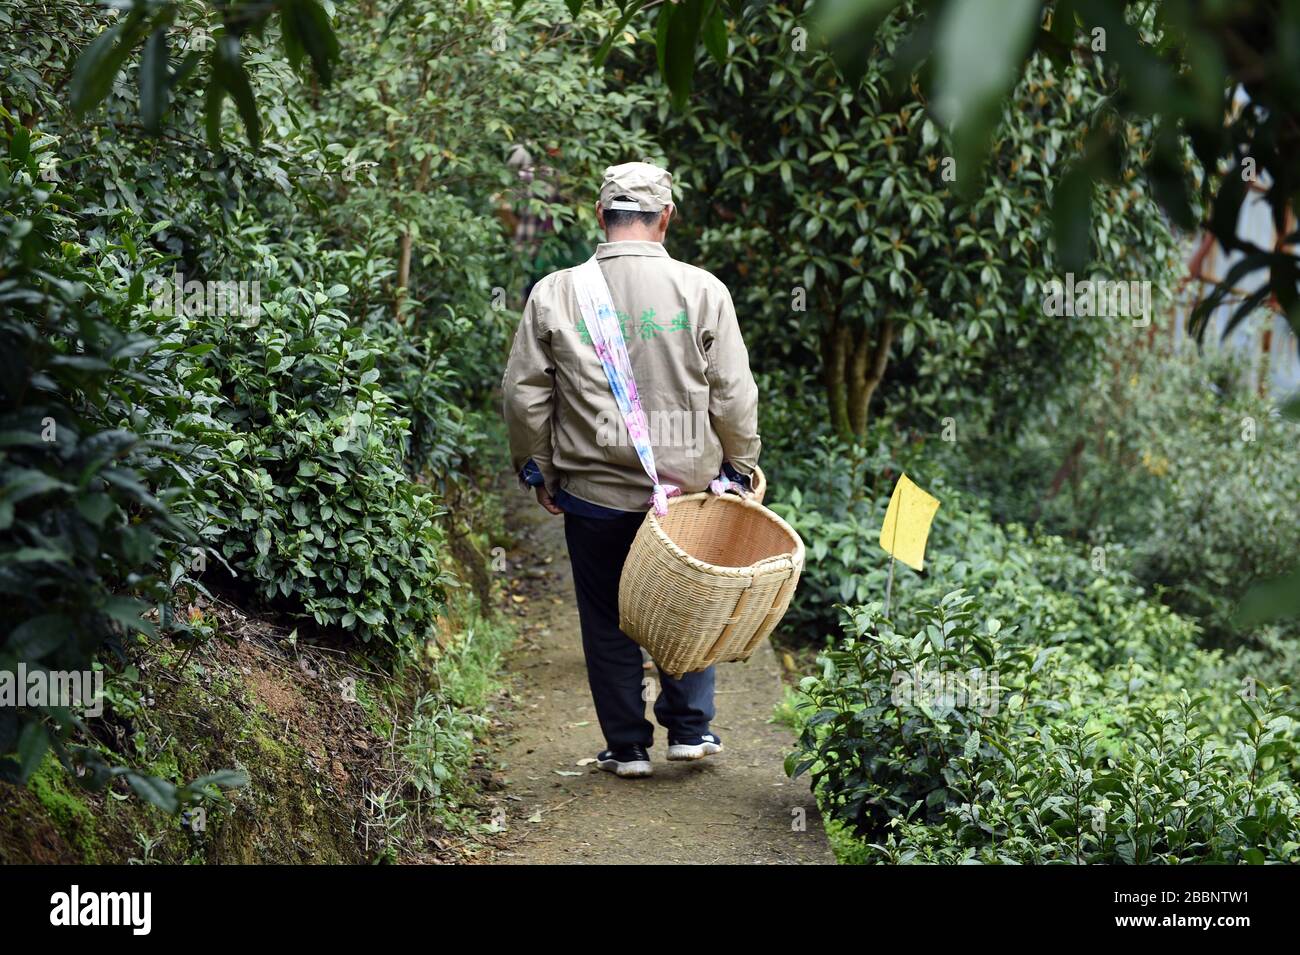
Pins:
<point x="528" y="389"/>
<point x="733" y="396"/>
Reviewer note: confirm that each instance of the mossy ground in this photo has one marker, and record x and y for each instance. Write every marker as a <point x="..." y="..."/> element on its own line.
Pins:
<point x="295" y="808"/>
<point x="342" y="765"/>
<point x="319" y="734"/>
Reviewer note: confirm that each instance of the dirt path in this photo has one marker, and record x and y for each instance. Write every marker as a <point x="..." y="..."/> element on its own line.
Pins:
<point x="737" y="807"/>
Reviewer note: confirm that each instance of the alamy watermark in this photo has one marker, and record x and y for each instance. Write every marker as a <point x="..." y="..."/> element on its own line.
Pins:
<point x="1103" y="298"/>
<point x="131" y="910"/>
<point x="241" y="299"/>
<point x="75" y="689"/>
<point x="945" y="690"/>
<point x="668" y="429"/>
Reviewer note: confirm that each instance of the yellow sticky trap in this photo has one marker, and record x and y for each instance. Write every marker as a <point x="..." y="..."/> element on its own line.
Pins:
<point x="907" y="523"/>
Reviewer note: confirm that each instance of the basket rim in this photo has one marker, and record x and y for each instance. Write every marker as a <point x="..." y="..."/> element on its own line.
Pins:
<point x="795" y="558"/>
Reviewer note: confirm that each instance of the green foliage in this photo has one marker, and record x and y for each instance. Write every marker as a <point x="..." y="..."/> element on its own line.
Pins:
<point x="1113" y="738"/>
<point x="1222" y="511"/>
<point x="1176" y="65"/>
<point x="439" y="750"/>
<point x="831" y="211"/>
<point x="1168" y="65"/>
<point x="1055" y="590"/>
<point x="291" y="450"/>
<point x="296" y="454"/>
<point x="1171" y="463"/>
<point x="319" y="508"/>
<point x="421" y="370"/>
<point x="293" y="430"/>
<point x="212" y="38"/>
<point x="81" y="527"/>
<point x="86" y="530"/>
<point x="964" y="738"/>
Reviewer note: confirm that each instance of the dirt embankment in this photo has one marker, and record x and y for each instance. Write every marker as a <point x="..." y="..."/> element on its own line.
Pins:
<point x="306" y="724"/>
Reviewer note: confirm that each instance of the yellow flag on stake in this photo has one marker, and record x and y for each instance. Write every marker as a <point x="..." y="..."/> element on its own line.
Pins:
<point x="907" y="523"/>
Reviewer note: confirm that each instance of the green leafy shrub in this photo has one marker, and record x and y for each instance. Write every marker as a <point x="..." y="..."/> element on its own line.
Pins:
<point x="1057" y="592"/>
<point x="1223" y="513"/>
<point x="1108" y="712"/>
<point x="80" y="529"/>
<point x="1173" y="461"/>
<point x="421" y="371"/>
<point x="87" y="532"/>
<point x="318" y="508"/>
<point x="965" y="740"/>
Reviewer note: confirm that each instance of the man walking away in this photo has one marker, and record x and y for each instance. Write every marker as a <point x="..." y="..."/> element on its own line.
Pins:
<point x="568" y="441"/>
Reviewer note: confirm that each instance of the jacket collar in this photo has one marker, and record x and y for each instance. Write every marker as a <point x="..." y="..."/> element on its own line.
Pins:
<point x="630" y="247"/>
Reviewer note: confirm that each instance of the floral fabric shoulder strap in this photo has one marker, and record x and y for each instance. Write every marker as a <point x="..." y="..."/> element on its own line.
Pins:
<point x="597" y="309"/>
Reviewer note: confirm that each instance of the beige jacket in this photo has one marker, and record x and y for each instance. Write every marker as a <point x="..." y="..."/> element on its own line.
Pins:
<point x="691" y="369"/>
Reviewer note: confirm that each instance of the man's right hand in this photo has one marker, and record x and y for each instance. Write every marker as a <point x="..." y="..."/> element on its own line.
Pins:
<point x="544" y="498"/>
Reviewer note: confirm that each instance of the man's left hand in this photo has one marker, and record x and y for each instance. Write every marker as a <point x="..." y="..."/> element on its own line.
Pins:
<point x="544" y="498"/>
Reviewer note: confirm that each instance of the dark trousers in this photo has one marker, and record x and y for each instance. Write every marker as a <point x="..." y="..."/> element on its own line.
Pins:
<point x="598" y="547"/>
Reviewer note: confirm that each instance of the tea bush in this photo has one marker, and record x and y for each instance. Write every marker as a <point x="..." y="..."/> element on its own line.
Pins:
<point x="88" y="495"/>
<point x="1222" y="514"/>
<point x="318" y="506"/>
<point x="1026" y="701"/>
<point x="82" y="530"/>
<point x="965" y="739"/>
<point x="1173" y="461"/>
<point x="1055" y="592"/>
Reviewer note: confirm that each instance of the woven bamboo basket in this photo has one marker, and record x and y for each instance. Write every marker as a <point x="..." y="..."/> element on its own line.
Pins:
<point x="708" y="581"/>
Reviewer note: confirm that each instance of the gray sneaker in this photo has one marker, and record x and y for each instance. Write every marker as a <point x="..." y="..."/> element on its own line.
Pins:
<point x="630" y="762"/>
<point x="694" y="747"/>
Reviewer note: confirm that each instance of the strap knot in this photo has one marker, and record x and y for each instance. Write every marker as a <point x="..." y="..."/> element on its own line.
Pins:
<point x="661" y="495"/>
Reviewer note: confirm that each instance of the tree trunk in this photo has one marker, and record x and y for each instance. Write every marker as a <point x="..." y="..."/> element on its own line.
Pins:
<point x="869" y="363"/>
<point x="836" y="341"/>
<point x="404" y="246"/>
<point x="854" y="361"/>
<point x="403" y="273"/>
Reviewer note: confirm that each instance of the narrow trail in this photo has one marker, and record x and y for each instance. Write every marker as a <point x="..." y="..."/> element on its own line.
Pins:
<point x="736" y="807"/>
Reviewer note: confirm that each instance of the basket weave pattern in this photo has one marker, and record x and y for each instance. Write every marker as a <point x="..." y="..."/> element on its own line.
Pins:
<point x="708" y="581"/>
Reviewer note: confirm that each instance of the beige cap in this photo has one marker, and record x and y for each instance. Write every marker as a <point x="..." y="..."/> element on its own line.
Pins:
<point x="636" y="187"/>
